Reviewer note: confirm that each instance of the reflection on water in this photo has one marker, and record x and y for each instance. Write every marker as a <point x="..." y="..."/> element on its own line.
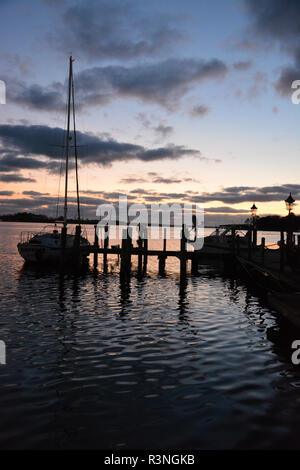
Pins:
<point x="98" y="362"/>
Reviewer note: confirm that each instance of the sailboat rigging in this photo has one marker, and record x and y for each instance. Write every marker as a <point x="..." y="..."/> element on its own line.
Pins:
<point x="49" y="246"/>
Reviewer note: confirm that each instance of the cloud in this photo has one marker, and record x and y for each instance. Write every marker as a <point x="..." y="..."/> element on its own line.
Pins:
<point x="199" y="111"/>
<point x="132" y="179"/>
<point x="155" y="178"/>
<point x="229" y="195"/>
<point x="276" y="18"/>
<point x="6" y="193"/>
<point x="163" y="131"/>
<point x="225" y="210"/>
<point x="34" y="193"/>
<point x="40" y="141"/>
<point x="40" y="98"/>
<point x="241" y="66"/>
<point x="115" y="30"/>
<point x="277" y="21"/>
<point x="12" y="163"/>
<point x="166" y="180"/>
<point x="162" y="82"/>
<point x="238" y="194"/>
<point x="14" y="62"/>
<point x="16" y="178"/>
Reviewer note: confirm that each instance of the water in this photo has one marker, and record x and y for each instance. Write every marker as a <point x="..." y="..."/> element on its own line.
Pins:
<point x="93" y="363"/>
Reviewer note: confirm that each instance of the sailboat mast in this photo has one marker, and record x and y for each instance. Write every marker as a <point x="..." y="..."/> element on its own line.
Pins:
<point x="68" y="142"/>
<point x="76" y="154"/>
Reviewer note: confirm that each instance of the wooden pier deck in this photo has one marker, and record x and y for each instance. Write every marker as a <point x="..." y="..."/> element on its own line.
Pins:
<point x="257" y="260"/>
<point x="277" y="271"/>
<point x="127" y="250"/>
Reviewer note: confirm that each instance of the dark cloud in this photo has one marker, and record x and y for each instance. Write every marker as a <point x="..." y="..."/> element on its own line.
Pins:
<point x="155" y="178"/>
<point x="34" y="193"/>
<point x="277" y="21"/>
<point x="235" y="195"/>
<point x="115" y="30"/>
<point x="225" y="210"/>
<point x="16" y="178"/>
<point x="241" y="66"/>
<point x="40" y="141"/>
<point x="276" y="18"/>
<point x="131" y="180"/>
<point x="6" y="193"/>
<point x="166" y="180"/>
<point x="12" y="163"/>
<point x="161" y="82"/>
<point x="199" y="111"/>
<point x="37" y="97"/>
<point x="229" y="195"/>
<point x="50" y="97"/>
<point x="163" y="131"/>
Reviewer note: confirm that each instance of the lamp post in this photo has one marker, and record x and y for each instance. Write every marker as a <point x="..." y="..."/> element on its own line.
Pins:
<point x="289" y="203"/>
<point x="253" y="213"/>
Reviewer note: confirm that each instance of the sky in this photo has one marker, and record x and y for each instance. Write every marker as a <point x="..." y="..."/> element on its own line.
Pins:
<point x="176" y="102"/>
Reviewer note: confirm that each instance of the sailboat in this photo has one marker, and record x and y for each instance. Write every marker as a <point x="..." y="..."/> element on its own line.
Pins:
<point x="54" y="245"/>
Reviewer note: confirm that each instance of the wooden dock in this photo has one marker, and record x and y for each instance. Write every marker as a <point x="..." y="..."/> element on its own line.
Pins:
<point x="279" y="265"/>
<point x="127" y="250"/>
<point x="276" y="271"/>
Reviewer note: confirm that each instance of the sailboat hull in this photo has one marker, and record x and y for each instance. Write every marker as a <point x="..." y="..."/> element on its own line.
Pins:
<point x="42" y="255"/>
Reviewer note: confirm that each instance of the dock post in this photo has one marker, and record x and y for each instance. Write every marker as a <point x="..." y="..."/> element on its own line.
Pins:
<point x="63" y="246"/>
<point x="125" y="255"/>
<point x="195" y="263"/>
<point x="76" y="245"/>
<point x="182" y="255"/>
<point x="249" y="244"/>
<point x="165" y="240"/>
<point x="263" y="243"/>
<point x="162" y="257"/>
<point x="281" y="252"/>
<point x="233" y="239"/>
<point x="254" y="237"/>
<point x="145" y="250"/>
<point x="105" y="246"/>
<point x="161" y="265"/>
<point x="238" y="245"/>
<point x="96" y="246"/>
<point x="140" y="246"/>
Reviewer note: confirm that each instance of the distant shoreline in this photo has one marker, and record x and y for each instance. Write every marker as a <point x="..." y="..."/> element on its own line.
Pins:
<point x="83" y="222"/>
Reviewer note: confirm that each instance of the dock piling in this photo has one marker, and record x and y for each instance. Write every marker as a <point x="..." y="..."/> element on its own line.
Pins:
<point x="105" y="245"/>
<point x="145" y="249"/>
<point x="96" y="246"/>
<point x="183" y="254"/>
<point x="263" y="244"/>
<point x="140" y="247"/>
<point x="162" y="257"/>
<point x="249" y="244"/>
<point x="125" y="255"/>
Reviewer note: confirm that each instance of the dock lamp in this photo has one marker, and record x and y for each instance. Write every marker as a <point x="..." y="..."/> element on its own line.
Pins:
<point x="253" y="211"/>
<point x="254" y="231"/>
<point x="289" y="202"/>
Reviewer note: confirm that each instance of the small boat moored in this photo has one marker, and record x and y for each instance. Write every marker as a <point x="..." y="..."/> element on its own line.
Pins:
<point x="53" y="245"/>
<point x="46" y="246"/>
